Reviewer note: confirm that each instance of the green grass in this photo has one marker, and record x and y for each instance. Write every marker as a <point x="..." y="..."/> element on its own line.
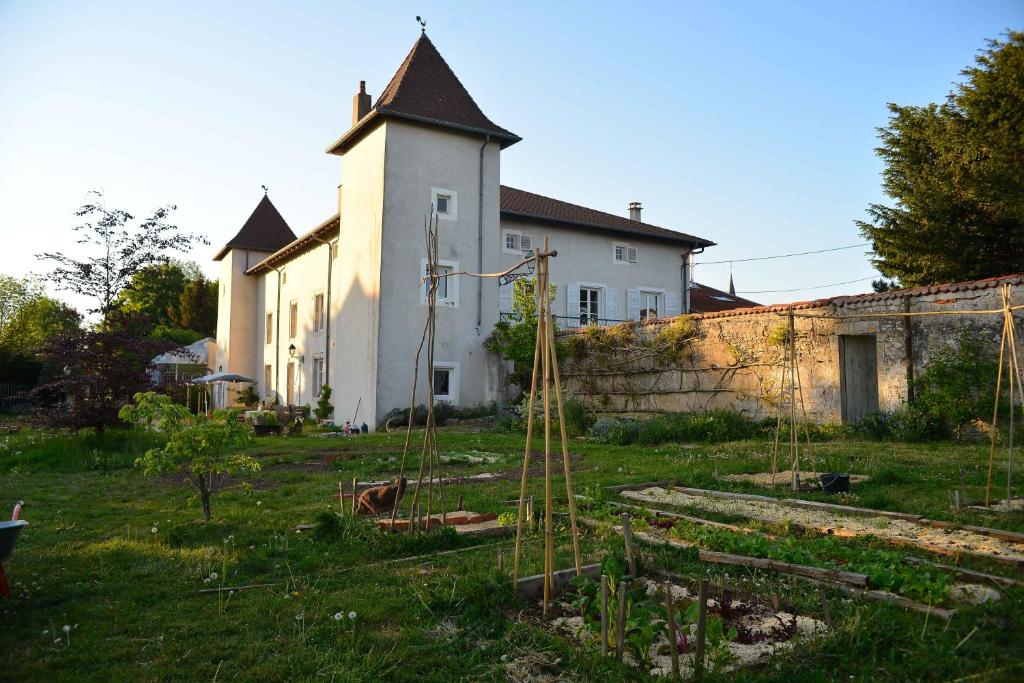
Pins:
<point x="90" y="559"/>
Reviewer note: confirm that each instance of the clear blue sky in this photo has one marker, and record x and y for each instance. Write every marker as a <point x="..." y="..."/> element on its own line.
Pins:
<point x="748" y="123"/>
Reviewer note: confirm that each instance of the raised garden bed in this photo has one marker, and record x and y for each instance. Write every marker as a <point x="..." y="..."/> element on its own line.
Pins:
<point x="740" y="629"/>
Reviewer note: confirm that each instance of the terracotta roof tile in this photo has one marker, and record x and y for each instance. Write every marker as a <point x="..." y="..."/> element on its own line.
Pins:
<point x="704" y="299"/>
<point x="425" y="89"/>
<point x="530" y="206"/>
<point x="870" y="297"/>
<point x="265" y="230"/>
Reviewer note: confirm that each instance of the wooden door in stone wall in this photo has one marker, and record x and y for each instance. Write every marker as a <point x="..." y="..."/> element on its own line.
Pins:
<point x="858" y="362"/>
<point x="290" y="384"/>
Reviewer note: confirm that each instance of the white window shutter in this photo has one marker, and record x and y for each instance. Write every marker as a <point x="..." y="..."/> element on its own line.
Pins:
<point x="505" y="298"/>
<point x="633" y="303"/>
<point x="611" y="303"/>
<point x="525" y="242"/>
<point x="671" y="304"/>
<point x="572" y="301"/>
<point x="631" y="254"/>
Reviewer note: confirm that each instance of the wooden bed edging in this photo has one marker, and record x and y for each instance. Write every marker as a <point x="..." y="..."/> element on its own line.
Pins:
<point x="532" y="587"/>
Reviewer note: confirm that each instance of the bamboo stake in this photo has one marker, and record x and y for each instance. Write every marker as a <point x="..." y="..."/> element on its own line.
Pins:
<point x="341" y="498"/>
<point x="552" y="352"/>
<point x="355" y="494"/>
<point x="549" y="518"/>
<point x="702" y="619"/>
<point x="1015" y="364"/>
<point x="995" y="410"/>
<point x="807" y="429"/>
<point x="793" y="441"/>
<point x="673" y="644"/>
<point x="526" y="461"/>
<point x="604" y="615"/>
<point x="620" y="622"/>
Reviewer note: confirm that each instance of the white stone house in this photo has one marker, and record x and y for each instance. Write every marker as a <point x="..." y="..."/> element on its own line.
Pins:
<point x="342" y="305"/>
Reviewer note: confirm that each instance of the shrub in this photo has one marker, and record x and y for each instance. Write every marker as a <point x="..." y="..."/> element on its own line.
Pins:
<point x="912" y="423"/>
<point x="671" y="342"/>
<point x="324" y="409"/>
<point x="958" y="385"/>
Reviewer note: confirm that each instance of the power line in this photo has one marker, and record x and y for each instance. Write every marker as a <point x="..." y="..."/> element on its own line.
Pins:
<point x="800" y="289"/>
<point x="766" y="258"/>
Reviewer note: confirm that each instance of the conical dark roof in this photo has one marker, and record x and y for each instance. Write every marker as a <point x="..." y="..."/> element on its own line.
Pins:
<point x="265" y="230"/>
<point x="425" y="89"/>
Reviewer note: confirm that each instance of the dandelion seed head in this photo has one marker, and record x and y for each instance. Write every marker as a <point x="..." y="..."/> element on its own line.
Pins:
<point x="66" y="628"/>
<point x="337" y="617"/>
<point x="351" y="615"/>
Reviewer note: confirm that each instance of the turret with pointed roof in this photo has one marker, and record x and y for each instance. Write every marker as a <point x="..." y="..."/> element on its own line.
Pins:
<point x="265" y="230"/>
<point x="426" y="90"/>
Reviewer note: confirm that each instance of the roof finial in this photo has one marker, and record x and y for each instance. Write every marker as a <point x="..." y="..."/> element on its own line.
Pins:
<point x="265" y="190"/>
<point x="423" y="24"/>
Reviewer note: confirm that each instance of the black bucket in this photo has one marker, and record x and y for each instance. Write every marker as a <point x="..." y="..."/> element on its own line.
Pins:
<point x="834" y="482"/>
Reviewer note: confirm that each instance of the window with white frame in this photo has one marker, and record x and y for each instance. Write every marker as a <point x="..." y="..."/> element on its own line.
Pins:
<point x="445" y="203"/>
<point x="319" y="319"/>
<point x="517" y="242"/>
<point x="447" y="287"/>
<point x="650" y="307"/>
<point x="623" y="253"/>
<point x="589" y="305"/>
<point x="446" y="383"/>
<point x="318" y="374"/>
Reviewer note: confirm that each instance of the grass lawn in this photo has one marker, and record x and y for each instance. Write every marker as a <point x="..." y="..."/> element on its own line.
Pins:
<point x="120" y="559"/>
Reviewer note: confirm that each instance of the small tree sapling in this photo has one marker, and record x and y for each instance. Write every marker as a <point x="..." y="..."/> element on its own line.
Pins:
<point x="201" y="447"/>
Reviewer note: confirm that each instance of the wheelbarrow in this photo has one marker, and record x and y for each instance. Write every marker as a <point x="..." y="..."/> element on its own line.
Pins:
<point x="9" y="532"/>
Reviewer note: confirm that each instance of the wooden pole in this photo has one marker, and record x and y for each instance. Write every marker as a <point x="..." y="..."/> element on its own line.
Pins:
<point x="627" y="535"/>
<point x="793" y="441"/>
<point x="620" y="622"/>
<point x="552" y="352"/>
<point x="341" y="497"/>
<point x="355" y="494"/>
<point x="460" y="508"/>
<point x="530" y="410"/>
<point x="702" y="625"/>
<point x="995" y="410"/>
<point x="825" y="608"/>
<point x="604" y="615"/>
<point x="673" y="643"/>
<point x="549" y="518"/>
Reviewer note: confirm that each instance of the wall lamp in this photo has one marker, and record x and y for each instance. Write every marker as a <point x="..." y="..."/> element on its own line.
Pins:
<point x="291" y="353"/>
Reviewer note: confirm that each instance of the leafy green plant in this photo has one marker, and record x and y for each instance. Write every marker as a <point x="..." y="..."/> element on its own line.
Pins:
<point x="324" y="409"/>
<point x="958" y="384"/>
<point x="199" y="446"/>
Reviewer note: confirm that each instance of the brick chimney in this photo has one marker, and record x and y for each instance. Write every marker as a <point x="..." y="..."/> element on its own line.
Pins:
<point x="634" y="211"/>
<point x="360" y="104"/>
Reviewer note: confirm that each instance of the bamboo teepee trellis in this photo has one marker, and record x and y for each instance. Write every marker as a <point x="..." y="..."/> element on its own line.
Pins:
<point x="791" y="369"/>
<point x="1009" y="339"/>
<point x="545" y="364"/>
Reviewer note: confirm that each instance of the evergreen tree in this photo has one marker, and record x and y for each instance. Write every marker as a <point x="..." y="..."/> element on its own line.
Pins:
<point x="956" y="174"/>
<point x="197" y="306"/>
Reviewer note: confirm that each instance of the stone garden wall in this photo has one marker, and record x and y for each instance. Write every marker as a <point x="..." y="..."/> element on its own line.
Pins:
<point x="733" y="360"/>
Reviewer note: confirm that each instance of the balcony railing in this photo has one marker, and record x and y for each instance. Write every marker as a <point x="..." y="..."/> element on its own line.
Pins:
<point x="568" y="322"/>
